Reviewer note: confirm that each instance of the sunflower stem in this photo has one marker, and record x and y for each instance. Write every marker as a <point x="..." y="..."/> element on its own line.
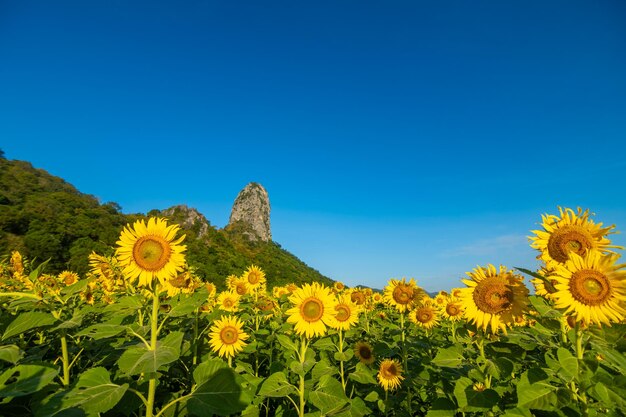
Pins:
<point x="303" y="346"/>
<point x="195" y="338"/>
<point x="154" y="333"/>
<point x="66" y="361"/>
<point x="343" y="381"/>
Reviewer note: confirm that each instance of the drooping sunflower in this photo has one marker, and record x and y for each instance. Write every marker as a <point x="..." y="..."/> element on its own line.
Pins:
<point x="227" y="336"/>
<point x="591" y="288"/>
<point x="571" y="232"/>
<point x="254" y="277"/>
<point x="228" y="301"/>
<point x="313" y="309"/>
<point x="425" y="315"/>
<point x="184" y="282"/>
<point x="542" y="288"/>
<point x="402" y="294"/>
<point x="364" y="353"/>
<point x="493" y="298"/>
<point x="346" y="313"/>
<point x="390" y="374"/>
<point x="150" y="251"/>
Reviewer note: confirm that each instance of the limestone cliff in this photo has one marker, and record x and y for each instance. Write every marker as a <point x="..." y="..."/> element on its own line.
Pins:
<point x="252" y="208"/>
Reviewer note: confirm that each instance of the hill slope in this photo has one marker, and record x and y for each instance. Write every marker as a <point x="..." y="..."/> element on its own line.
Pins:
<point x="45" y="217"/>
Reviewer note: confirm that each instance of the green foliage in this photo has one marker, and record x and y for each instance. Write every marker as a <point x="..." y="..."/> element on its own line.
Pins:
<point x="44" y="217"/>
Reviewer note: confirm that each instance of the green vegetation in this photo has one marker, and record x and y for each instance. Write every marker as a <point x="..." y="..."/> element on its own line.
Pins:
<point x="44" y="217"/>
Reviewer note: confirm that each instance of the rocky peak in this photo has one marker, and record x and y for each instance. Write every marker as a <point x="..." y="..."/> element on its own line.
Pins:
<point x="188" y="218"/>
<point x="252" y="207"/>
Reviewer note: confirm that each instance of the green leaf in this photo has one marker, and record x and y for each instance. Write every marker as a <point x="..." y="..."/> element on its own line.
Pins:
<point x="286" y="342"/>
<point x="470" y="399"/>
<point x="344" y="356"/>
<point x="518" y="412"/>
<point x="534" y="392"/>
<point x="10" y="353"/>
<point x="69" y="324"/>
<point x="221" y="392"/>
<point x="362" y="375"/>
<point x="329" y="397"/>
<point x="186" y="305"/>
<point x="371" y="397"/>
<point x="325" y="343"/>
<point x="568" y="363"/>
<point x="276" y="385"/>
<point x="27" y="321"/>
<point x="207" y="369"/>
<point x="442" y="407"/>
<point x="140" y="359"/>
<point x="25" y="379"/>
<point x="94" y="393"/>
<point x="450" y="357"/>
<point x="102" y="331"/>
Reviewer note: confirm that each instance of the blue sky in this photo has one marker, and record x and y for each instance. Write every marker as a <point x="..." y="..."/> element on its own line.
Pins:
<point x="415" y="139"/>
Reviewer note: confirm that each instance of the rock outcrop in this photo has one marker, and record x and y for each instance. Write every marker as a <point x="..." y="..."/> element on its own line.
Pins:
<point x="252" y="208"/>
<point x="191" y="218"/>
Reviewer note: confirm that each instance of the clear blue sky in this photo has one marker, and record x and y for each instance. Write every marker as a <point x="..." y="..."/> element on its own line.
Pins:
<point x="413" y="138"/>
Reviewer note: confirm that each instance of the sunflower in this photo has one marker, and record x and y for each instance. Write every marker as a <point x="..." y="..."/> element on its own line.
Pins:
<point x="401" y="294"/>
<point x="149" y="251"/>
<point x="453" y="310"/>
<point x="440" y="299"/>
<point x="571" y="232"/>
<point x="184" y="282"/>
<point x="425" y="315"/>
<point x="227" y="336"/>
<point x="254" y="277"/>
<point x="541" y="287"/>
<point x="240" y="286"/>
<point x="68" y="277"/>
<point x="358" y="297"/>
<point x="314" y="307"/>
<point x="17" y="263"/>
<point x="279" y="291"/>
<point x="228" y="301"/>
<point x="211" y="289"/>
<point x="493" y="298"/>
<point x="364" y="353"/>
<point x="376" y="298"/>
<point x="390" y="374"/>
<point x="346" y="313"/>
<point x="338" y="286"/>
<point x="592" y="288"/>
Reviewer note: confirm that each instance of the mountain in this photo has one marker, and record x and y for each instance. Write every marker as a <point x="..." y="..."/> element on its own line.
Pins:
<point x="44" y="217"/>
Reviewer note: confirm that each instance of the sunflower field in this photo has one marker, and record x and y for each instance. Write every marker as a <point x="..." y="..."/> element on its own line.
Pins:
<point x="141" y="335"/>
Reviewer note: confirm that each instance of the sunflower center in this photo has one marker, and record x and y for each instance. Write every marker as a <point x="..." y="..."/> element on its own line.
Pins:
<point x="357" y="297"/>
<point x="343" y="312"/>
<point x="568" y="239"/>
<point x="228" y="303"/>
<point x="403" y="294"/>
<point x="312" y="309"/>
<point x="151" y="252"/>
<point x="424" y="315"/>
<point x="590" y="287"/>
<point x="241" y="288"/>
<point x="492" y="295"/>
<point x="229" y="335"/>
<point x="254" y="277"/>
<point x="390" y="371"/>
<point x="365" y="352"/>
<point x="452" y="309"/>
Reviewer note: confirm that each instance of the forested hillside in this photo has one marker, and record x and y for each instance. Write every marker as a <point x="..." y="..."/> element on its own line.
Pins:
<point x="44" y="217"/>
